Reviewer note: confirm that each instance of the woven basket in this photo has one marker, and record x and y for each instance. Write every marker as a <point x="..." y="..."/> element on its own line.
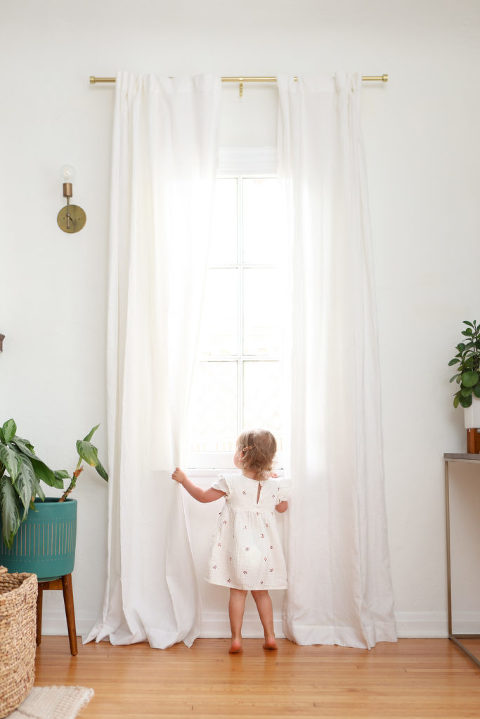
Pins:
<point x="18" y="616"/>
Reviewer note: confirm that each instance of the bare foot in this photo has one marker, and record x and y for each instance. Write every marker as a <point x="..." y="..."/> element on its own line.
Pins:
<point x="270" y="643"/>
<point x="235" y="647"/>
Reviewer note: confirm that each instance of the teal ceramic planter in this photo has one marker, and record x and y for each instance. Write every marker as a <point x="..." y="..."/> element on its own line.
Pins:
<point x="45" y="543"/>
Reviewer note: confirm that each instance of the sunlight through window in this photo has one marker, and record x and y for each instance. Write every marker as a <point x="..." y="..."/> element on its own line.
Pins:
<point x="238" y="383"/>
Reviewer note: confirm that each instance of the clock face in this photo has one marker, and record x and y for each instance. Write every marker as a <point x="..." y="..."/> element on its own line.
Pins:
<point x="71" y="218"/>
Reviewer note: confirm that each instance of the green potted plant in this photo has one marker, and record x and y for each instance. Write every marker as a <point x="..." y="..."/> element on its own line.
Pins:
<point x="467" y="366"/>
<point x="38" y="533"/>
<point x="467" y="374"/>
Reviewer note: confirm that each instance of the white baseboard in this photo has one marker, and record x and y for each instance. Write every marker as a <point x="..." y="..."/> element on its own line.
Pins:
<point x="466" y="623"/>
<point x="410" y="625"/>
<point x="434" y="624"/>
<point x="421" y="625"/>
<point x="215" y="625"/>
<point x="418" y="625"/>
<point x="54" y="623"/>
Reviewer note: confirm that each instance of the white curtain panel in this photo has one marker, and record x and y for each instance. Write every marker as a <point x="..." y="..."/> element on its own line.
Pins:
<point x="339" y="578"/>
<point x="163" y="174"/>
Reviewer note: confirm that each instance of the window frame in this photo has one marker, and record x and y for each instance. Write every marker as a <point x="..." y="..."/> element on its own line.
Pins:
<point x="238" y="163"/>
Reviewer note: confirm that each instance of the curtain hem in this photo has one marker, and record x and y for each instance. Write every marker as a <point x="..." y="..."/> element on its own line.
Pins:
<point x="342" y="636"/>
<point x="156" y="639"/>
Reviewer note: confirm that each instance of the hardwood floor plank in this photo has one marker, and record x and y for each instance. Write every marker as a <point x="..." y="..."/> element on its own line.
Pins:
<point x="414" y="678"/>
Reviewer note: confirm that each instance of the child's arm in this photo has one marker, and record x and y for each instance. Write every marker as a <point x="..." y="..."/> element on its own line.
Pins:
<point x="201" y="495"/>
<point x="281" y="507"/>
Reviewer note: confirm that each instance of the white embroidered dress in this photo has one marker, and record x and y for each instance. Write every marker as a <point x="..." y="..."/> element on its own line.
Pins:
<point x="247" y="552"/>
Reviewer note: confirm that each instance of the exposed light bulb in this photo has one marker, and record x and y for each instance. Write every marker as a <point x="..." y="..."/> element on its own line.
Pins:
<point x="67" y="173"/>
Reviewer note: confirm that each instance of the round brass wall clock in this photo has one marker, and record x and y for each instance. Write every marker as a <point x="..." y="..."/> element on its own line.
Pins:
<point x="71" y="218"/>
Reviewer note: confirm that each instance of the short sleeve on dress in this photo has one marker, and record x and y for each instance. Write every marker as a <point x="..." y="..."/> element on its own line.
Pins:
<point x="221" y="484"/>
<point x="284" y="490"/>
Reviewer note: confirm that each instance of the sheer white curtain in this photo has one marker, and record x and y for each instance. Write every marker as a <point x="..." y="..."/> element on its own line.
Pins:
<point x="163" y="174"/>
<point x="339" y="578"/>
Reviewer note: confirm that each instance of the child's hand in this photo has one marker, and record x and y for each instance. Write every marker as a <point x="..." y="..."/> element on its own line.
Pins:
<point x="281" y="507"/>
<point x="179" y="476"/>
<point x="273" y="474"/>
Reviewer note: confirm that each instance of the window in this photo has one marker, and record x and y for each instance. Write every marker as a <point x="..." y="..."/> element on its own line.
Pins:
<point x="239" y="379"/>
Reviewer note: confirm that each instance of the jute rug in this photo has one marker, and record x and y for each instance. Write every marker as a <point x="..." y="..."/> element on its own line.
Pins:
<point x="53" y="703"/>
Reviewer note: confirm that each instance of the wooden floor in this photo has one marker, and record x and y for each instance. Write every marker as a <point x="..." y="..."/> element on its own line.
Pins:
<point x="413" y="678"/>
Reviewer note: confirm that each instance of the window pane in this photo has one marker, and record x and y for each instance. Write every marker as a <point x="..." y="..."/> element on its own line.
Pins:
<point x="263" y="221"/>
<point x="214" y="407"/>
<point x="263" y="297"/>
<point x="262" y="403"/>
<point x="219" y="334"/>
<point x="223" y="250"/>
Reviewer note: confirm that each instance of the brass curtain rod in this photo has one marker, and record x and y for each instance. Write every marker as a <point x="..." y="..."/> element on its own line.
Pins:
<point x="366" y="78"/>
<point x="241" y="80"/>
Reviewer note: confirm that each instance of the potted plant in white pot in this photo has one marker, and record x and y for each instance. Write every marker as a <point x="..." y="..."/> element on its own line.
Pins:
<point x="38" y="533"/>
<point x="467" y="376"/>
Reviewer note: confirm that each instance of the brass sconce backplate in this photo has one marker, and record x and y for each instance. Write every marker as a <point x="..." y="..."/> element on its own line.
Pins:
<point x="71" y="218"/>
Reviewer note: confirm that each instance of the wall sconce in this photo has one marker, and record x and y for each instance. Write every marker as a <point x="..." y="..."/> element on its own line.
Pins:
<point x="71" y="218"/>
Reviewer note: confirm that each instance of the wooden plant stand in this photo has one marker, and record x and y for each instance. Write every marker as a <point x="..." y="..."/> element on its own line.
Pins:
<point x="65" y="584"/>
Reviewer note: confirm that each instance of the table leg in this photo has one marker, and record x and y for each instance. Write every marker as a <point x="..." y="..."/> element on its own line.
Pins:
<point x="449" y="570"/>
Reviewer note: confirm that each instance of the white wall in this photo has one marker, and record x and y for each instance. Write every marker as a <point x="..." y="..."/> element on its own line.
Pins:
<point x="423" y="154"/>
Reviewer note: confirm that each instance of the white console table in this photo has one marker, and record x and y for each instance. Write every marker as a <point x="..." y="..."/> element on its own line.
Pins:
<point x="452" y="458"/>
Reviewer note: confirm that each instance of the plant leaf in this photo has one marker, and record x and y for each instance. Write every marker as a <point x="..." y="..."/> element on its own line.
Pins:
<point x="26" y="485"/>
<point x="476" y="390"/>
<point x="9" y="508"/>
<point x="101" y="471"/>
<point x="24" y="446"/>
<point x="87" y="452"/>
<point x="8" y="430"/>
<point x="466" y="391"/>
<point x="456" y="401"/>
<point x="25" y="443"/>
<point x="469" y="378"/>
<point x="453" y="361"/>
<point x="39" y="491"/>
<point x="9" y="458"/>
<point x="460" y="347"/>
<point x="44" y="473"/>
<point x="466" y="401"/>
<point x="466" y="322"/>
<point x="91" y="433"/>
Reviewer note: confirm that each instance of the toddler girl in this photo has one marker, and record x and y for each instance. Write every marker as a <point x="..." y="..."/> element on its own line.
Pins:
<point x="247" y="552"/>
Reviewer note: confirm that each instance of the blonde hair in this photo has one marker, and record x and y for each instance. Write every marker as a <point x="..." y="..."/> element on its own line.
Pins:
<point x="258" y="448"/>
